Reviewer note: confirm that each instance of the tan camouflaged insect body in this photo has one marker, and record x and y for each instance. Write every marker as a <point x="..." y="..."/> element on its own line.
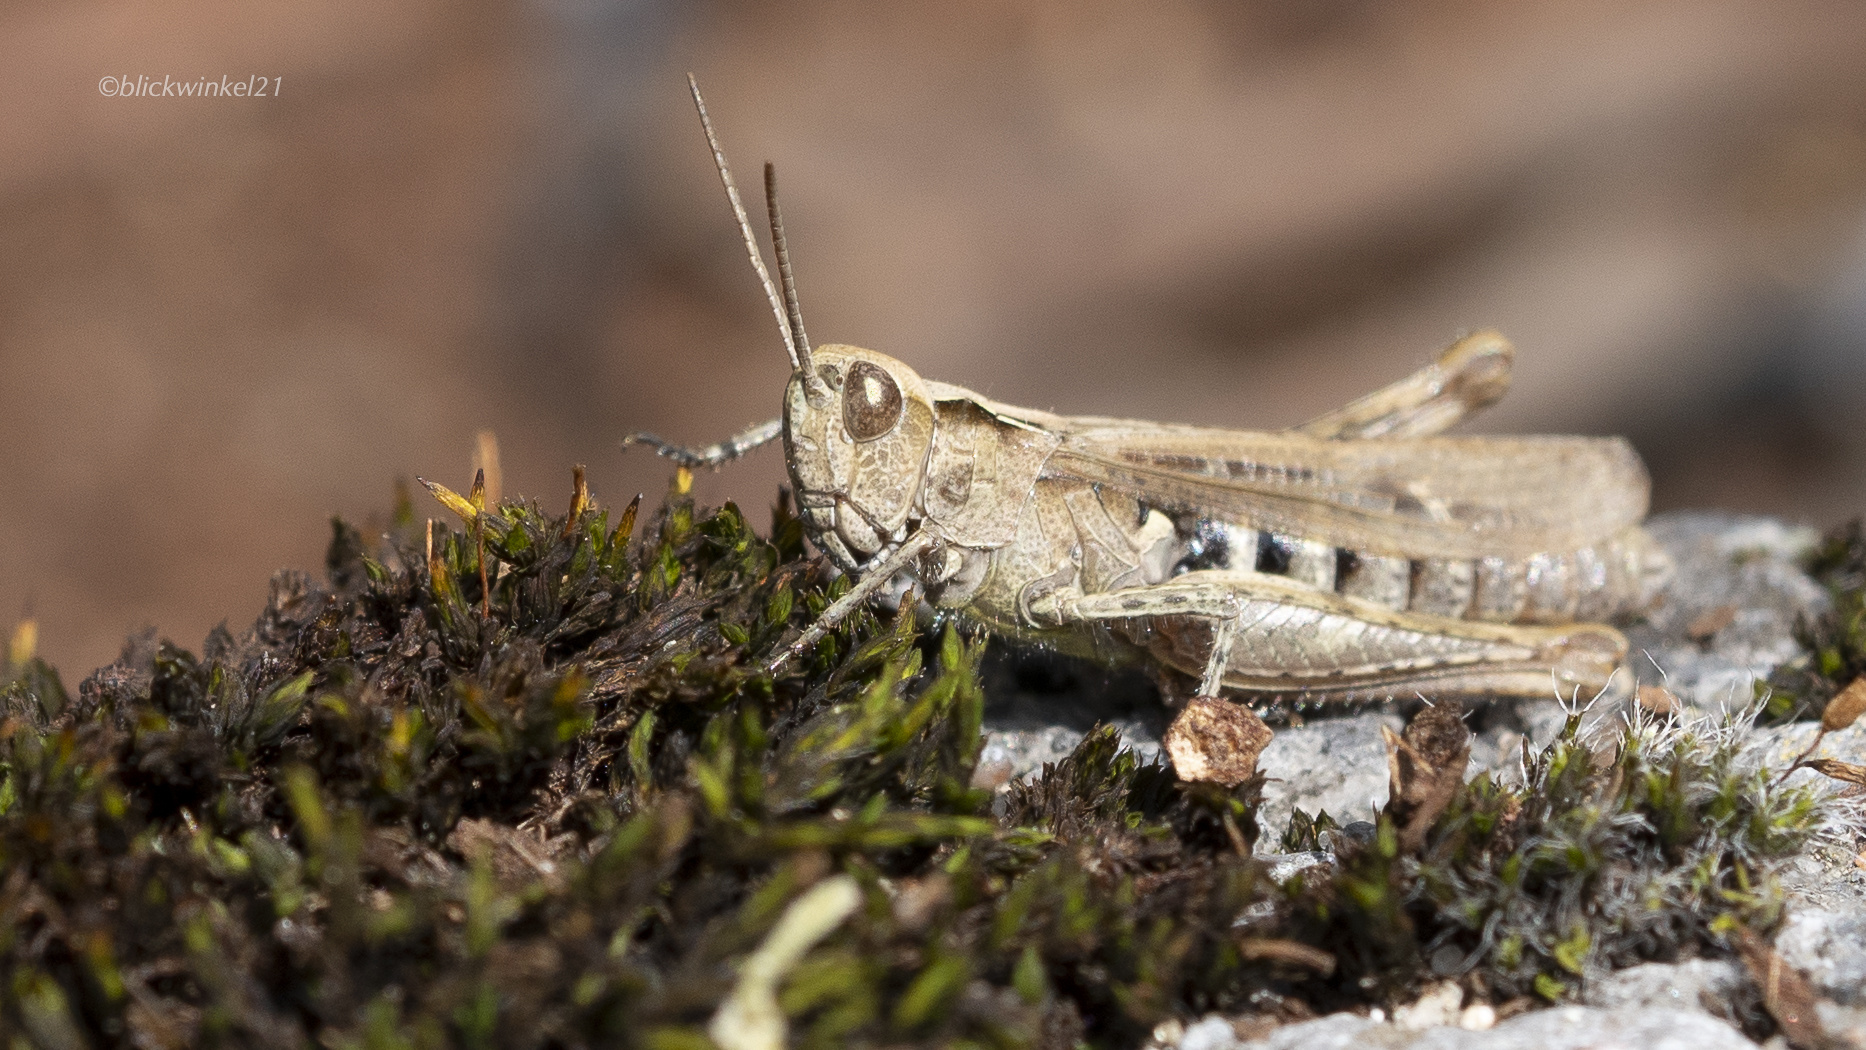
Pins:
<point x="1362" y="554"/>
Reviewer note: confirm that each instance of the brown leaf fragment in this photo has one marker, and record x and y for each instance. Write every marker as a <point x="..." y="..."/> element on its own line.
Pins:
<point x="1425" y="769"/>
<point x="1846" y="707"/>
<point x="1251" y="1027"/>
<point x="626" y="527"/>
<point x="1216" y="741"/>
<point x="917" y="902"/>
<point x="515" y="857"/>
<point x="1833" y="767"/>
<point x="1294" y="953"/>
<point x="1710" y="621"/>
<point x="162" y="1024"/>
<point x="579" y="500"/>
<point x="1658" y="699"/>
<point x="1785" y="992"/>
<point x="992" y="775"/>
<point x="1522" y="1004"/>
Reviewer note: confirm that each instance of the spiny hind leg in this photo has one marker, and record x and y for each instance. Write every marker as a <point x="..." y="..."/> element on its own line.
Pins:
<point x="1265" y="634"/>
<point x="1469" y="375"/>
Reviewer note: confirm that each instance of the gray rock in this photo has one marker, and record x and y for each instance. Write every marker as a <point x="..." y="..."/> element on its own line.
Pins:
<point x="1334" y="1032"/>
<point x="1039" y="705"/>
<point x="1337" y="764"/>
<point x="1285" y="866"/>
<point x="1826" y="877"/>
<point x="1560" y="1028"/>
<point x="1830" y="947"/>
<point x="1700" y="984"/>
<point x="1777" y="747"/>
<point x="1023" y="751"/>
<point x="1750" y="564"/>
<point x="1576" y="1027"/>
<point x="1846" y="1025"/>
<point x="1212" y="1033"/>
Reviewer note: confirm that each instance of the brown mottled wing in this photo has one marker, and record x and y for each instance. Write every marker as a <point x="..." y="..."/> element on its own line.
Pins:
<point x="1432" y="497"/>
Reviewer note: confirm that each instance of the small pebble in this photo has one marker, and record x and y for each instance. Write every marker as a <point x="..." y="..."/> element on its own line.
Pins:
<point x="1169" y="1031"/>
<point x="1438" y="1006"/>
<point x="1210" y="1033"/>
<point x="1478" y="1018"/>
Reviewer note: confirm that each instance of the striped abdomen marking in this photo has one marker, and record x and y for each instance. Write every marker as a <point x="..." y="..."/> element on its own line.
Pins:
<point x="1620" y="575"/>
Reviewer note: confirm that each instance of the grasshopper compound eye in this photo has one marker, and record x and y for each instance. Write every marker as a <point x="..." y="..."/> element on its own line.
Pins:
<point x="871" y="401"/>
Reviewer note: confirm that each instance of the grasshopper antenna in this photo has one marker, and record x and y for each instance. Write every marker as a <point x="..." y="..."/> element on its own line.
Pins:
<point x="792" y="310"/>
<point x="799" y="356"/>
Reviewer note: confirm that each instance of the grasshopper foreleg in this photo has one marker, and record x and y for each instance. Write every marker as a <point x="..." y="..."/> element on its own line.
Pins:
<point x="873" y="579"/>
<point x="713" y="455"/>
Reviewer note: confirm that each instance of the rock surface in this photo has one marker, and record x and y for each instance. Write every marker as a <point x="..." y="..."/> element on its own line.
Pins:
<point x="1700" y="984"/>
<point x="1560" y="1028"/>
<point x="1830" y="948"/>
<point x="1727" y="621"/>
<point x="1742" y="573"/>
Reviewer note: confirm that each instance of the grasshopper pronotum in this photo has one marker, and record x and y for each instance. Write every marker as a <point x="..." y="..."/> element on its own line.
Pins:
<point x="1360" y="554"/>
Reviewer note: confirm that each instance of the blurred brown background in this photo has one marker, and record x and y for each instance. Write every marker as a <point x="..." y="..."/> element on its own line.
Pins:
<point x="223" y="320"/>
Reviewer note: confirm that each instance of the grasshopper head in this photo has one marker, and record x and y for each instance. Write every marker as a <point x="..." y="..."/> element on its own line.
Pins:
<point x="857" y="428"/>
<point x="857" y="424"/>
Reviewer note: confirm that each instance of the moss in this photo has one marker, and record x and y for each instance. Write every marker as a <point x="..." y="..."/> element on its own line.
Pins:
<point x="1835" y="640"/>
<point x="560" y="809"/>
<point x="1654" y="845"/>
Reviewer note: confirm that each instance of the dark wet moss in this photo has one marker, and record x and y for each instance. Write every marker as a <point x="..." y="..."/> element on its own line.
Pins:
<point x="404" y="809"/>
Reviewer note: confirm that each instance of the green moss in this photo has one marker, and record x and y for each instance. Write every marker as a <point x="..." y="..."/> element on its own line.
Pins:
<point x="385" y="817"/>
<point x="1651" y="846"/>
<point x="1835" y="640"/>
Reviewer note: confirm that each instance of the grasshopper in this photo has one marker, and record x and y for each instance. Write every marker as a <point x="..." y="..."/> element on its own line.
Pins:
<point x="1360" y="555"/>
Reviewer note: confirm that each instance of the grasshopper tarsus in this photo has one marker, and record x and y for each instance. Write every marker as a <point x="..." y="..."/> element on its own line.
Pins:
<point x="686" y="457"/>
<point x="711" y="456"/>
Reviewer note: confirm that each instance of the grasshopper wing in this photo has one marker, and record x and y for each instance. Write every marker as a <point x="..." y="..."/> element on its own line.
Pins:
<point x="1431" y="497"/>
